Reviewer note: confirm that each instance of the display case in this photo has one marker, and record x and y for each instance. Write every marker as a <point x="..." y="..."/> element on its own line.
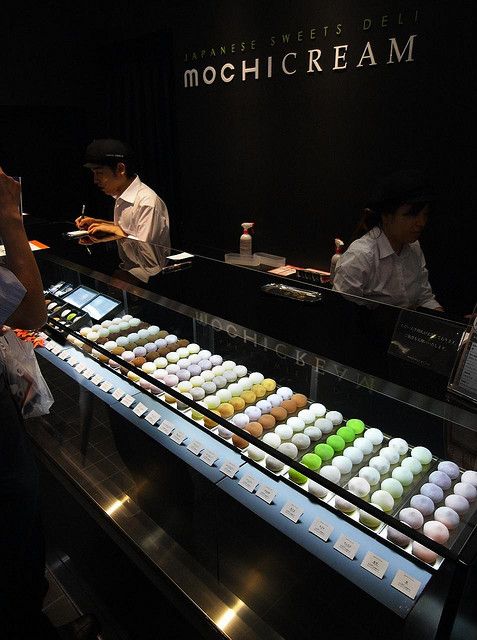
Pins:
<point x="305" y="494"/>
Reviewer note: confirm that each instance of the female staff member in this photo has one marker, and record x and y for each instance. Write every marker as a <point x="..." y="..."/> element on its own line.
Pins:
<point x="386" y="263"/>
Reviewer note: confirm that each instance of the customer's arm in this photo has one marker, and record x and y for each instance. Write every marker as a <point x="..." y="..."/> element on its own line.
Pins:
<point x="31" y="312"/>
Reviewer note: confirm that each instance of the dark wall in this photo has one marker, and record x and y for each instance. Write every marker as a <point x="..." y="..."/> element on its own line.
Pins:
<point x="299" y="153"/>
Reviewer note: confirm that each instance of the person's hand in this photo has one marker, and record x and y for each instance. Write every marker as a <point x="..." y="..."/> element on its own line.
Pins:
<point x="87" y="240"/>
<point x="83" y="222"/>
<point x="9" y="198"/>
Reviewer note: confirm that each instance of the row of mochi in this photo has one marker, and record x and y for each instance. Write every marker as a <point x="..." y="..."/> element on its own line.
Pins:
<point x="427" y="513"/>
<point x="376" y="473"/>
<point x="332" y="460"/>
<point x="262" y="415"/>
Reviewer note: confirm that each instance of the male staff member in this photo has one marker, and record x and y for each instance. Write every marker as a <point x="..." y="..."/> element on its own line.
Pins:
<point x="138" y="212"/>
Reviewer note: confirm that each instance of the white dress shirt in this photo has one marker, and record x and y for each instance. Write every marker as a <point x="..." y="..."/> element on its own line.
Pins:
<point x="141" y="214"/>
<point x="370" y="268"/>
<point x="12" y="293"/>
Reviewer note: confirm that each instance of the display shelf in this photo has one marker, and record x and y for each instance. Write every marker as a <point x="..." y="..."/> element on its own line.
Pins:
<point x="380" y="589"/>
<point x="134" y="339"/>
<point x="192" y="382"/>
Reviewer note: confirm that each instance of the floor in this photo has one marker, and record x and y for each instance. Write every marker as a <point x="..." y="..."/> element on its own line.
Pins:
<point x="58" y="605"/>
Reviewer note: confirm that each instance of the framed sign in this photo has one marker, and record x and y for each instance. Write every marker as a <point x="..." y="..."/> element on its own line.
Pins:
<point x="426" y="340"/>
<point x="463" y="381"/>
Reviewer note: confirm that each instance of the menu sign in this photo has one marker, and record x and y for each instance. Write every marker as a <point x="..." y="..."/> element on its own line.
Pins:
<point x="426" y="341"/>
<point x="464" y="377"/>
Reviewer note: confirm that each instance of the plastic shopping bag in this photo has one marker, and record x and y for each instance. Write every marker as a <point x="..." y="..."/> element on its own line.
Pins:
<point x="27" y="385"/>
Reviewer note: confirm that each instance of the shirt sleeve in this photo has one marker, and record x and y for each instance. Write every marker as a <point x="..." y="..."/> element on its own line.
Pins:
<point x="12" y="293"/>
<point x="152" y="222"/>
<point x="352" y="273"/>
<point x="426" y="297"/>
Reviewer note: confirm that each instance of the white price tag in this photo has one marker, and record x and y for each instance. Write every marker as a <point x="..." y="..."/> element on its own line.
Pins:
<point x="209" y="457"/>
<point x="166" y="427"/>
<point x="97" y="379"/>
<point x="346" y="546"/>
<point x="406" y="584"/>
<point x="106" y="386"/>
<point x="80" y="367"/>
<point x="57" y="349"/>
<point x="118" y="394"/>
<point x="49" y="345"/>
<point x="178" y="437"/>
<point x="72" y="361"/>
<point x="140" y="409"/>
<point x="195" y="447"/>
<point x="291" y="511"/>
<point x="249" y="483"/>
<point x="152" y="417"/>
<point x="127" y="400"/>
<point x="374" y="564"/>
<point x="87" y="373"/>
<point x="229" y="469"/>
<point x="321" y="529"/>
<point x="64" y="355"/>
<point x="266" y="493"/>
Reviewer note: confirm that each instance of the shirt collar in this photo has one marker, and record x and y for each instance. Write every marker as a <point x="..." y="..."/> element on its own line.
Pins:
<point x="384" y="246"/>
<point x="129" y="194"/>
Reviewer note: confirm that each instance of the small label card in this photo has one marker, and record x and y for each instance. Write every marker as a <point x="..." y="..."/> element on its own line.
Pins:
<point x="118" y="394"/>
<point x="140" y="409"/>
<point x="127" y="400"/>
<point x="49" y="345"/>
<point x="166" y="427"/>
<point x="346" y="546"/>
<point x="195" y="447"/>
<point x="292" y="512"/>
<point x="209" y="457"/>
<point x="97" y="379"/>
<point x="266" y="493"/>
<point x="229" y="468"/>
<point x="152" y="417"/>
<point x="406" y="584"/>
<point x="374" y="564"/>
<point x="248" y="482"/>
<point x="321" y="529"/>
<point x="72" y="361"/>
<point x="57" y="349"/>
<point x="178" y="437"/>
<point x="106" y="386"/>
<point x="87" y="373"/>
<point x="64" y="355"/>
<point x="80" y="367"/>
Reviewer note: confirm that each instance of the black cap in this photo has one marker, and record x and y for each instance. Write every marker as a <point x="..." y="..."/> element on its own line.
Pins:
<point x="406" y="186"/>
<point x="106" y="152"/>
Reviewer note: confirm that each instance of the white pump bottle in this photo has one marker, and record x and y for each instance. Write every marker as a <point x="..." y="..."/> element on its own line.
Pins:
<point x="335" y="257"/>
<point x="246" y="239"/>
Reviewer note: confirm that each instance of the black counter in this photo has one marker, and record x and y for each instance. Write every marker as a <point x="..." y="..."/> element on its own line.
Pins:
<point x="333" y="328"/>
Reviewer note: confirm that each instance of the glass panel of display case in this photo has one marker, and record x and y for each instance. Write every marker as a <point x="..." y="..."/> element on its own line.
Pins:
<point x="295" y="414"/>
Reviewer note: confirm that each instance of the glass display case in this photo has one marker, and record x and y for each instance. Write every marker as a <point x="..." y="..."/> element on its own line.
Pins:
<point x="293" y="483"/>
